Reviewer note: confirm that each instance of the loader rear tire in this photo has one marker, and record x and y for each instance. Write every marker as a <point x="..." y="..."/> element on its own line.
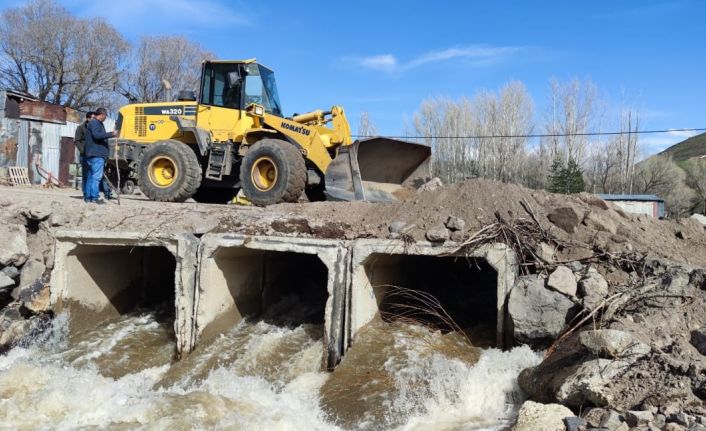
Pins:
<point x="169" y="171"/>
<point x="272" y="171"/>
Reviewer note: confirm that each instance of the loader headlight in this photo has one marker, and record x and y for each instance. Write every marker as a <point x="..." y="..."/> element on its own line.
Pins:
<point x="256" y="110"/>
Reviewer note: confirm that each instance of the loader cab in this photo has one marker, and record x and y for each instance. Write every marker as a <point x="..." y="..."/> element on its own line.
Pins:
<point x="235" y="85"/>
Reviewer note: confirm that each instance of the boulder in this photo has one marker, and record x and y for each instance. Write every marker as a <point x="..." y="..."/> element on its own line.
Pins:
<point x="537" y="315"/>
<point x="563" y="280"/>
<point x="575" y="266"/>
<point x="13" y="244"/>
<point x="431" y="185"/>
<point x="454" y="223"/>
<point x="612" y="344"/>
<point x="5" y="281"/>
<point x="545" y="252"/>
<point x="565" y="218"/>
<point x="574" y="423"/>
<point x="611" y="420"/>
<point x="11" y="272"/>
<point x="698" y="339"/>
<point x="593" y="200"/>
<point x="36" y="297"/>
<point x="588" y="383"/>
<point x="437" y="233"/>
<point x="599" y="222"/>
<point x="31" y="271"/>
<point x="546" y="417"/>
<point x="593" y="289"/>
<point x="636" y="418"/>
<point x="15" y="330"/>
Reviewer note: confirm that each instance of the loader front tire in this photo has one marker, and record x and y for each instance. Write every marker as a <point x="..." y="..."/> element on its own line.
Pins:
<point x="272" y="171"/>
<point x="169" y="171"/>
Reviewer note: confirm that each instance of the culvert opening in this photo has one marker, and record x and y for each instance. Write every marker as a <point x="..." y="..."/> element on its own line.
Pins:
<point x="282" y="288"/>
<point x="106" y="281"/>
<point x="446" y="293"/>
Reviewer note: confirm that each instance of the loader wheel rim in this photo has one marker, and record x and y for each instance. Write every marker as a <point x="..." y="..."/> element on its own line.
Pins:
<point x="264" y="174"/>
<point x="163" y="171"/>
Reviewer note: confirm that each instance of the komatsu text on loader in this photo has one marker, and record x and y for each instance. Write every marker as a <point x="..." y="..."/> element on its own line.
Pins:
<point x="235" y="137"/>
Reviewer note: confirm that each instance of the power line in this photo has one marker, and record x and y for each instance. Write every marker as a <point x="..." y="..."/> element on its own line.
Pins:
<point x="543" y="135"/>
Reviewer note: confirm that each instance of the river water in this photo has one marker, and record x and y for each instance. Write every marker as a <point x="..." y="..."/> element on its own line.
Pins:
<point x="121" y="375"/>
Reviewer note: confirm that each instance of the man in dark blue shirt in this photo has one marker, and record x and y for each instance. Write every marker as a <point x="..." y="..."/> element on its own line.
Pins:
<point x="96" y="152"/>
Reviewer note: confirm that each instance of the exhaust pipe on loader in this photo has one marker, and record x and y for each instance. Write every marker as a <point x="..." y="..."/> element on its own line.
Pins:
<point x="377" y="170"/>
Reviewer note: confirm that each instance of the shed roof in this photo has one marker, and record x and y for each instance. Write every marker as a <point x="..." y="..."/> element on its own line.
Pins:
<point x="611" y="197"/>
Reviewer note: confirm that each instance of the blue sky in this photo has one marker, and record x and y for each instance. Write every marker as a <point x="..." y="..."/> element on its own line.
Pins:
<point x="385" y="57"/>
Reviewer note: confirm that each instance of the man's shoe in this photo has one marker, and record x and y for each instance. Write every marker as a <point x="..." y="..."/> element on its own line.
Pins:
<point x="100" y="202"/>
<point x="111" y="198"/>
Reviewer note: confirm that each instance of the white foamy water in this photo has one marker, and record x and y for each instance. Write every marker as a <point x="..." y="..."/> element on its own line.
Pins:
<point x="256" y="377"/>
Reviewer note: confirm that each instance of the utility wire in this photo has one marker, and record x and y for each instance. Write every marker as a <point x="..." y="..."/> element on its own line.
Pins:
<point x="543" y="135"/>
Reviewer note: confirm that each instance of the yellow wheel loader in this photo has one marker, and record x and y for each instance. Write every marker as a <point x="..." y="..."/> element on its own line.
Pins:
<point x="235" y="137"/>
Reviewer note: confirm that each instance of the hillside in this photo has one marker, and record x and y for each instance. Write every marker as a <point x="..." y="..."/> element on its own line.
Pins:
<point x="692" y="147"/>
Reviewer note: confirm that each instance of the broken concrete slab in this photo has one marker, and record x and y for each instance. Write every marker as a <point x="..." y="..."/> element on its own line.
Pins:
<point x="13" y="245"/>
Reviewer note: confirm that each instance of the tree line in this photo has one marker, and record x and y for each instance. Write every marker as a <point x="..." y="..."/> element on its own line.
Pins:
<point x="486" y="136"/>
<point x="81" y="63"/>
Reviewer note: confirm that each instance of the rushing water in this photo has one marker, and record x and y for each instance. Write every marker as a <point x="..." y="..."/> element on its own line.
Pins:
<point x="121" y="375"/>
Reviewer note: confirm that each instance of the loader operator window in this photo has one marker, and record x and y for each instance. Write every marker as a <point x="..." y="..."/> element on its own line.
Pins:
<point x="216" y="91"/>
<point x="260" y="88"/>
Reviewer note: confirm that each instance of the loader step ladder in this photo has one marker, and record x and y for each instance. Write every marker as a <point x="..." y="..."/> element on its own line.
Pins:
<point x="220" y="159"/>
<point x="18" y="176"/>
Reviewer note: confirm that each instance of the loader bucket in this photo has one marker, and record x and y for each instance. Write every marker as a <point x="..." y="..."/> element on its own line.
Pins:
<point x="377" y="170"/>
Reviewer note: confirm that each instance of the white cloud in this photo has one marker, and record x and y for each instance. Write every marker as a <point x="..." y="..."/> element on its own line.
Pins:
<point x="477" y="54"/>
<point x="653" y="144"/>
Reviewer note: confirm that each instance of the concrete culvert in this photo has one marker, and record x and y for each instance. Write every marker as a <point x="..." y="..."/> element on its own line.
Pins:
<point x="446" y="293"/>
<point x="280" y="287"/>
<point x="105" y="281"/>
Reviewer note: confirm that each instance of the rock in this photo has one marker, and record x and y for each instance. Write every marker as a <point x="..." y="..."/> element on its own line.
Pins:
<point x="454" y="223"/>
<point x="674" y="427"/>
<point x="537" y="314"/>
<point x="575" y="266"/>
<point x="563" y="280"/>
<point x="36" y="214"/>
<point x="697" y="427"/>
<point x="546" y="417"/>
<point x="699" y="218"/>
<point x="593" y="417"/>
<point x="31" y="271"/>
<point x="611" y="343"/>
<point x="698" y="339"/>
<point x="11" y="272"/>
<point x="659" y="420"/>
<point x="14" y="331"/>
<point x="574" y="423"/>
<point x="588" y="383"/>
<point x="600" y="222"/>
<point x="5" y="281"/>
<point x="680" y="234"/>
<point x="697" y="278"/>
<point x="675" y="279"/>
<point x="458" y="236"/>
<point x="681" y="418"/>
<point x="437" y="233"/>
<point x="36" y="297"/>
<point x="636" y="418"/>
<point x="611" y="420"/>
<point x="565" y="218"/>
<point x="593" y="288"/>
<point x="593" y="200"/>
<point x="431" y="185"/>
<point x="545" y="252"/>
<point x="13" y="245"/>
<point x="397" y="227"/>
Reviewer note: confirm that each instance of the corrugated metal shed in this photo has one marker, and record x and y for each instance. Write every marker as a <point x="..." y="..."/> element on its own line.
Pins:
<point x="638" y="204"/>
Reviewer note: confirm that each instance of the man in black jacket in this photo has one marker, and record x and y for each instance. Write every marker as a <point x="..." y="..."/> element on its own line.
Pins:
<point x="96" y="155"/>
<point x="80" y="142"/>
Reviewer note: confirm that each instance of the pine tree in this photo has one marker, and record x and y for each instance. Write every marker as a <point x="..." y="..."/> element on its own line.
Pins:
<point x="556" y="181"/>
<point x="573" y="177"/>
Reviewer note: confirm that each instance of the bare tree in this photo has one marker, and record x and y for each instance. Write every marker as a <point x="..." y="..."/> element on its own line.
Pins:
<point x="47" y="52"/>
<point x="160" y="64"/>
<point x="366" y="127"/>
<point x="696" y="179"/>
<point x="659" y="175"/>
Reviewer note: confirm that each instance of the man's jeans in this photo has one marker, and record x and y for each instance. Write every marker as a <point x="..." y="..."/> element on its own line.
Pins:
<point x="96" y="182"/>
<point x="84" y="175"/>
<point x="95" y="176"/>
